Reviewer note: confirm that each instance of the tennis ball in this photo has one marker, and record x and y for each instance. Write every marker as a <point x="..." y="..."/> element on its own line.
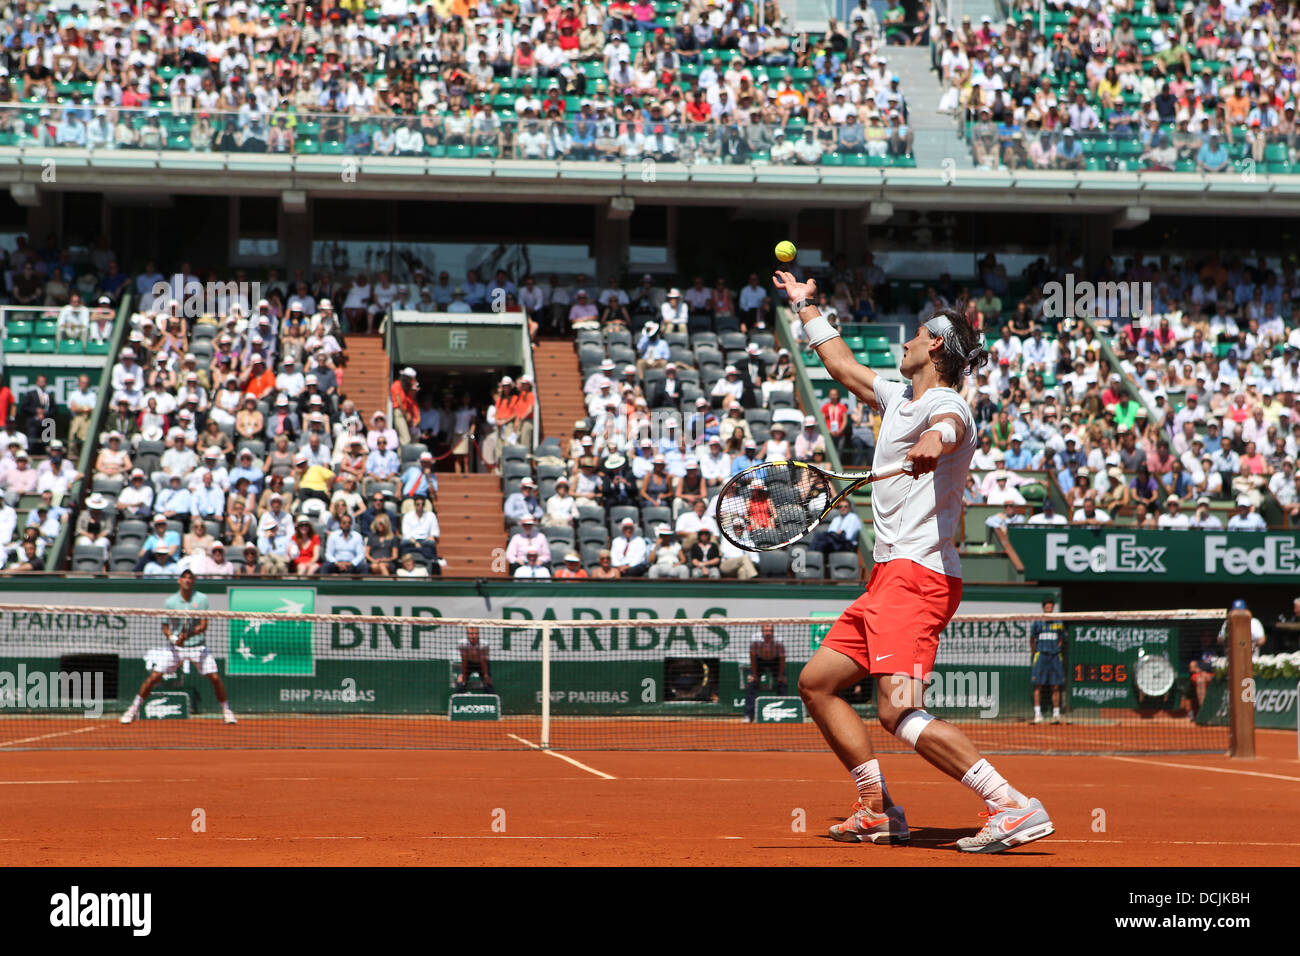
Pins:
<point x="785" y="251"/>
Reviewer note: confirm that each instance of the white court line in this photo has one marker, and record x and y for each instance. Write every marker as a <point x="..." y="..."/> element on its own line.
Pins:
<point x="1192" y="766"/>
<point x="10" y="783"/>
<point x="509" y="838"/>
<point x="1179" y="842"/>
<point x="564" y="757"/>
<point x="61" y="733"/>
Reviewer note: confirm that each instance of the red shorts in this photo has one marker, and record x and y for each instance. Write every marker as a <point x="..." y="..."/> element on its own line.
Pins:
<point x="894" y="627"/>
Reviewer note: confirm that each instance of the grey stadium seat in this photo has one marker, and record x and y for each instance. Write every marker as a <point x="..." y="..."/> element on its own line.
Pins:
<point x="773" y="564"/>
<point x="844" y="565"/>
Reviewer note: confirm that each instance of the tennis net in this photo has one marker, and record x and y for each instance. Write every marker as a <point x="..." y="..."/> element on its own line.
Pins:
<point x="1128" y="682"/>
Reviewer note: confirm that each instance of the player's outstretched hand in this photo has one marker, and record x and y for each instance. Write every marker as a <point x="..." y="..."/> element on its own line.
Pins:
<point x="796" y="290"/>
<point x="924" y="455"/>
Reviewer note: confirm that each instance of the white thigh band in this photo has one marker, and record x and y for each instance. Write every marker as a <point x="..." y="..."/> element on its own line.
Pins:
<point x="911" y="727"/>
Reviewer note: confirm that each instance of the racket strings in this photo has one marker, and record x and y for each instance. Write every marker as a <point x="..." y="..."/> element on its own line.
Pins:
<point x="776" y="502"/>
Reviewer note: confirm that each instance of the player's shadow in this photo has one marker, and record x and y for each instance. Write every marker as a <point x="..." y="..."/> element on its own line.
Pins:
<point x="945" y="838"/>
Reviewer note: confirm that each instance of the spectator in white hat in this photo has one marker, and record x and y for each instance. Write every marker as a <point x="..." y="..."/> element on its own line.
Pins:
<point x="809" y="440"/>
<point x="666" y="557"/>
<point x="674" y="313"/>
<point x="112" y="459"/>
<point x="1246" y="518"/>
<point x="729" y="388"/>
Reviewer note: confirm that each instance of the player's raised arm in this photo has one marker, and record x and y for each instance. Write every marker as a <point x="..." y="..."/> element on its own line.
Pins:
<point x="825" y="338"/>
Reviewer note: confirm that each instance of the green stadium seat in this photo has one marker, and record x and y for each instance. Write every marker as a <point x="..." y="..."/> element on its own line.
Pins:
<point x="1276" y="153"/>
<point x="1276" y="168"/>
<point x="485" y="152"/>
<point x="458" y="152"/>
<point x="97" y="348"/>
<point x="856" y="342"/>
<point x="436" y="152"/>
<point x="875" y="161"/>
<point x="23" y="327"/>
<point x="180" y="141"/>
<point x="332" y="147"/>
<point x="306" y="146"/>
<point x="857" y="159"/>
<point x="71" y="347"/>
<point x="832" y="159"/>
<point x="1185" y="166"/>
<point x="802" y="74"/>
<point x="308" y="129"/>
<point x="904" y="162"/>
<point x="46" y="327"/>
<point x="16" y="343"/>
<point x="41" y="345"/>
<point x="880" y="359"/>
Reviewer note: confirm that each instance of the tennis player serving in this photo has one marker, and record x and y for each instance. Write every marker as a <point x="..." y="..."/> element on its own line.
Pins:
<point x="892" y="631"/>
<point x="185" y="642"/>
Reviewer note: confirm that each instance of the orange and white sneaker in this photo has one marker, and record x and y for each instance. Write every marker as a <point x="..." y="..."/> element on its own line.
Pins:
<point x="1008" y="828"/>
<point x="867" y="826"/>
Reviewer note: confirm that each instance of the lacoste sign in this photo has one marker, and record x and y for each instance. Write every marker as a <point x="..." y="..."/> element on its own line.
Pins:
<point x="779" y="710"/>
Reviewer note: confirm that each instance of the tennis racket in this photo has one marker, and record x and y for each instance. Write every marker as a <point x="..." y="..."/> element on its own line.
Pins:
<point x="780" y="502"/>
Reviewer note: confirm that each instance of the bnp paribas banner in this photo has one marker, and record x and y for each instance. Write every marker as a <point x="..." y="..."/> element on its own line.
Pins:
<point x="1129" y="555"/>
<point x="627" y="621"/>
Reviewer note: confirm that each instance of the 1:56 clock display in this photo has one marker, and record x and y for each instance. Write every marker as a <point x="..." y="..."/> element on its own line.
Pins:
<point x="1100" y="673"/>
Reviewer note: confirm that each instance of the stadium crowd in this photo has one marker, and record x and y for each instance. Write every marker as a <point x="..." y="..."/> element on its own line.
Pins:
<point x="702" y="81"/>
<point x="1206" y="87"/>
<point x="234" y="428"/>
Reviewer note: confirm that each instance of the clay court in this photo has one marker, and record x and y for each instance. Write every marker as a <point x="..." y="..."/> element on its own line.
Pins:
<point x="593" y="807"/>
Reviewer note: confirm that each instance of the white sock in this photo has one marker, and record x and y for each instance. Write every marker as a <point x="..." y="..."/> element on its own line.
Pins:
<point x="993" y="787"/>
<point x="1038" y="711"/>
<point x="1056" y="712"/>
<point x="225" y="706"/>
<point x="871" y="784"/>
<point x="135" y="704"/>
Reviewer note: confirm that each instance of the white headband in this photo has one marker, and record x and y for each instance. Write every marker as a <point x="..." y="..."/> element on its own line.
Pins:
<point x="940" y="326"/>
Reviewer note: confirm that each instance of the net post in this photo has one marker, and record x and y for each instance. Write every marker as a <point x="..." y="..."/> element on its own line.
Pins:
<point x="1241" y="707"/>
<point x="546" y="687"/>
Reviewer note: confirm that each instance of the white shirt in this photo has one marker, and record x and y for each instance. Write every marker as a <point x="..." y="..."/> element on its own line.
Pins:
<point x="1174" y="522"/>
<point x="688" y="522"/>
<point x="630" y="552"/>
<point x="420" y="527"/>
<point x="917" y="518"/>
<point x="532" y="571"/>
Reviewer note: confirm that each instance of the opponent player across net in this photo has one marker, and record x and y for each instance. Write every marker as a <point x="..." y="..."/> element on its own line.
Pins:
<point x="186" y="644"/>
<point x="891" y="632"/>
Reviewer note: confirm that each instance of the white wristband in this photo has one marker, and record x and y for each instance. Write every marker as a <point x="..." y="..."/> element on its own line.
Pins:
<point x="947" y="434"/>
<point x="819" y="330"/>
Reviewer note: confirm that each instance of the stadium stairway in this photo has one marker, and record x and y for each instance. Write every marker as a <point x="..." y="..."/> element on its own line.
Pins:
<point x="471" y="519"/>
<point x="368" y="374"/>
<point x="558" y="386"/>
<point x="936" y="137"/>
